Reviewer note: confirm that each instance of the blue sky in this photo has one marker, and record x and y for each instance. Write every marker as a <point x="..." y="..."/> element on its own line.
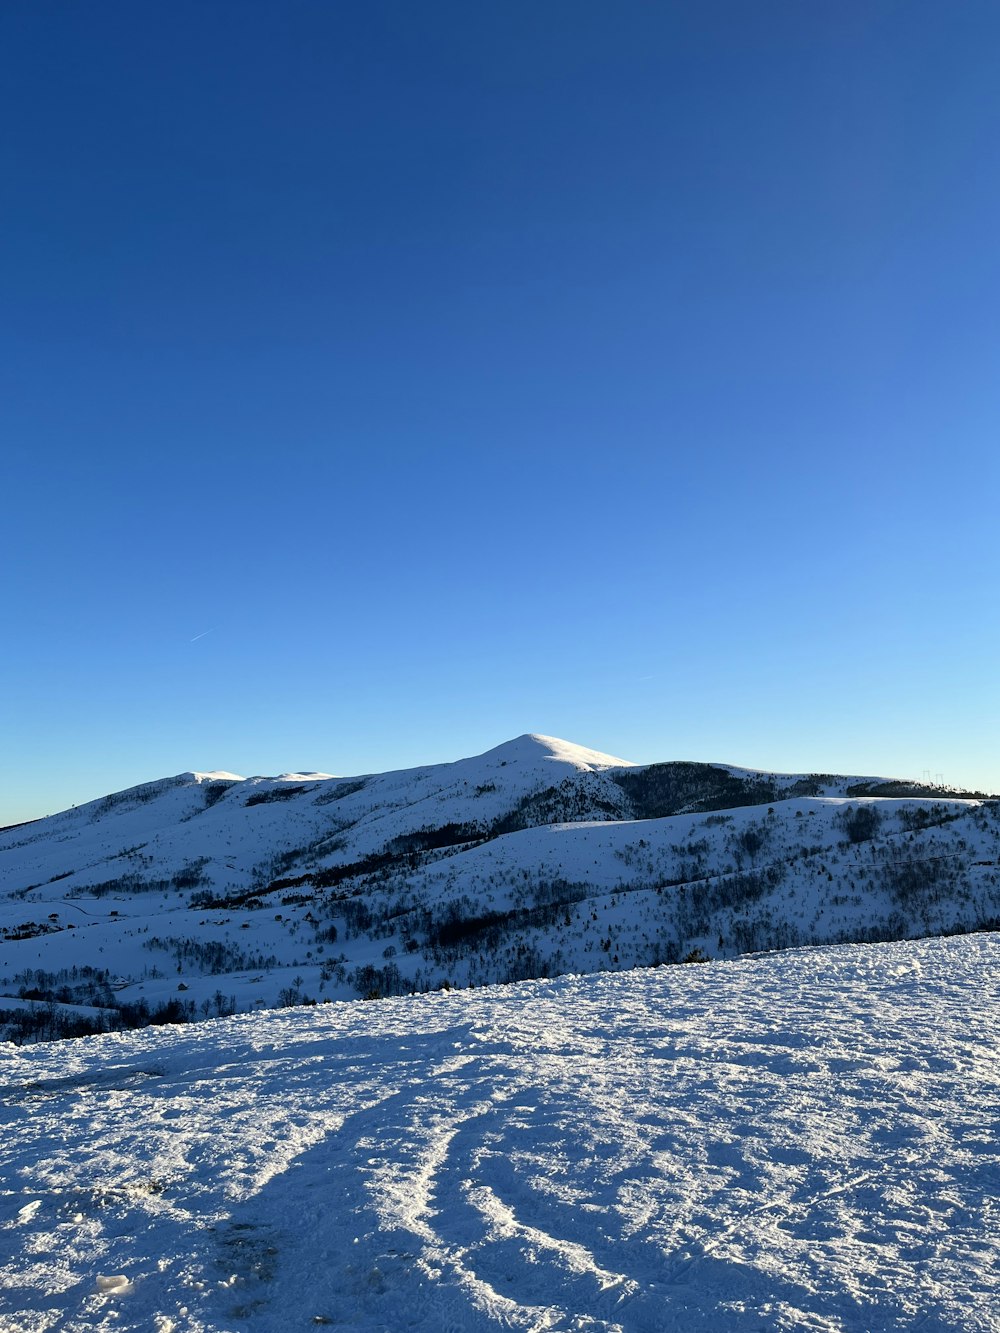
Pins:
<point x="622" y="372"/>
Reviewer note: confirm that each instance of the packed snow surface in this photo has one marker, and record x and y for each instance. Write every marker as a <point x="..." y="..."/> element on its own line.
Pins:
<point x="794" y="1141"/>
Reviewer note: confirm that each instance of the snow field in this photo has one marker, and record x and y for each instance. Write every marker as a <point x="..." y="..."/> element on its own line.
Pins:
<point x="795" y="1141"/>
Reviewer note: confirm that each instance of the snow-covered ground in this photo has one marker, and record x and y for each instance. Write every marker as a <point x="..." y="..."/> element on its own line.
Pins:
<point x="804" y="1140"/>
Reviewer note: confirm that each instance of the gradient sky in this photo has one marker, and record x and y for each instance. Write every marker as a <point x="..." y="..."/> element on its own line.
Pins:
<point x="627" y="372"/>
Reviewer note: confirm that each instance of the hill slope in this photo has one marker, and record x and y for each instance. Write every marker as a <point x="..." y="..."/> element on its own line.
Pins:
<point x="204" y="893"/>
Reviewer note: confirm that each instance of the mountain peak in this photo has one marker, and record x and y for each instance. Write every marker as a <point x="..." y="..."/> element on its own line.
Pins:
<point x="533" y="746"/>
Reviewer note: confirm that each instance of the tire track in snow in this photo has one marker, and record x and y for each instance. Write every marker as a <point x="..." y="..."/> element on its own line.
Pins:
<point x="369" y="1236"/>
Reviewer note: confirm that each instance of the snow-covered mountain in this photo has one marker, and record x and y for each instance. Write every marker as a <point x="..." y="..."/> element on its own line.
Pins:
<point x="206" y="892"/>
<point x="804" y="1141"/>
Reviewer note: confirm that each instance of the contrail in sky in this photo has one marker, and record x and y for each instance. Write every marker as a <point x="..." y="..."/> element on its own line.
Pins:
<point x="202" y="635"/>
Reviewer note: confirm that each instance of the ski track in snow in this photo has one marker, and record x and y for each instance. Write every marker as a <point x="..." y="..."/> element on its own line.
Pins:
<point x="804" y="1140"/>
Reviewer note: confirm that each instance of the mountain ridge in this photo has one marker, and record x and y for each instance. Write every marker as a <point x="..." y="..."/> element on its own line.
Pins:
<point x="537" y="856"/>
<point x="514" y="750"/>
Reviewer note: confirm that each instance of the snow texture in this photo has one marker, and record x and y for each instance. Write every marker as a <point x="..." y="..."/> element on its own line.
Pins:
<point x="804" y="1140"/>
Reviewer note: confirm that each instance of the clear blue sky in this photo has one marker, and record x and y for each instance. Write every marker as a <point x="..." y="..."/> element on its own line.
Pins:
<point x="626" y="372"/>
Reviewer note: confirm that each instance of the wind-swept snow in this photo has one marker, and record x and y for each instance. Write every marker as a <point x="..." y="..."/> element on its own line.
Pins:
<point x="798" y="1141"/>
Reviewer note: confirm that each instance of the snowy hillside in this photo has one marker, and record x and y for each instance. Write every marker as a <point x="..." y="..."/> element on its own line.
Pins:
<point x="802" y="1141"/>
<point x="206" y="893"/>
